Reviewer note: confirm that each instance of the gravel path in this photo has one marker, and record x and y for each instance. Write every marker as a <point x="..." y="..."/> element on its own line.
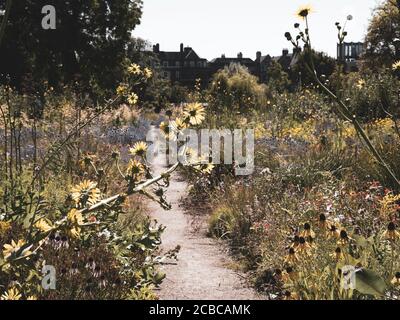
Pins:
<point x="201" y="271"/>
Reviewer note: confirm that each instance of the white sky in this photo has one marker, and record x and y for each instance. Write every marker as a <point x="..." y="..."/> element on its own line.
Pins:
<point x="213" y="27"/>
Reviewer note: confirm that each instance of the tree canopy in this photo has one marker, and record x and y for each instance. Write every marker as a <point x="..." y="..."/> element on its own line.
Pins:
<point x="88" y="44"/>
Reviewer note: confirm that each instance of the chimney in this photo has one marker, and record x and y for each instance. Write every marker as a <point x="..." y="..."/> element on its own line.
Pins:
<point x="223" y="56"/>
<point x="240" y="55"/>
<point x="285" y="52"/>
<point x="258" y="56"/>
<point x="156" y="48"/>
<point x="181" y="47"/>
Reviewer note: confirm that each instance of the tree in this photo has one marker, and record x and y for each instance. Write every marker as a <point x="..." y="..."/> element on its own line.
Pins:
<point x="88" y="44"/>
<point x="383" y="36"/>
<point x="278" y="79"/>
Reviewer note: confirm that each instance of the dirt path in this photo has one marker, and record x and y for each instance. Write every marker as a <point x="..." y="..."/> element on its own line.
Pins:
<point x="201" y="271"/>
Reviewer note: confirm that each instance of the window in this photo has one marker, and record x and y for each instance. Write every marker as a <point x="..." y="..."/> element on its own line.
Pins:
<point x="200" y="64"/>
<point x="192" y="64"/>
<point x="165" y="64"/>
<point x="166" y="75"/>
<point x="177" y="64"/>
<point x="177" y="75"/>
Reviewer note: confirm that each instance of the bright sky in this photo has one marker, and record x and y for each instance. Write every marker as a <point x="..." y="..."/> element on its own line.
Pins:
<point x="213" y="27"/>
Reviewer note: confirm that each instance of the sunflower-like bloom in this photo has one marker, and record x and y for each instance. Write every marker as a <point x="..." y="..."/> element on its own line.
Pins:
<point x="75" y="217"/>
<point x="194" y="113"/>
<point x="290" y="296"/>
<point x="333" y="232"/>
<point x="296" y="242"/>
<point x="164" y="127"/>
<point x="391" y="233"/>
<point x="134" y="69"/>
<point x="122" y="90"/>
<point x="31" y="298"/>
<point x="307" y="233"/>
<point x="292" y="257"/>
<point x="11" y="294"/>
<point x="86" y="193"/>
<point x="343" y="238"/>
<point x="396" y="280"/>
<point x="338" y="255"/>
<point x="304" y="248"/>
<point x="5" y="226"/>
<point x="304" y="11"/>
<point x="43" y="225"/>
<point x="139" y="149"/>
<point x="133" y="99"/>
<point x="14" y="247"/>
<point x="396" y="66"/>
<point x="135" y="170"/>
<point x="178" y="125"/>
<point x="147" y="73"/>
<point x="361" y="84"/>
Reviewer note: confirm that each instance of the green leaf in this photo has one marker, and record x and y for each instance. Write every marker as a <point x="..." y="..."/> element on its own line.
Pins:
<point x="370" y="283"/>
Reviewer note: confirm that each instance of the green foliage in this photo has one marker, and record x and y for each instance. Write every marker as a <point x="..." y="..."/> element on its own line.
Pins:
<point x="235" y="89"/>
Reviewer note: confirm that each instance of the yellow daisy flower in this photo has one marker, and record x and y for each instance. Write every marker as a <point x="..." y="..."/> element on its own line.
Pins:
<point x="396" y="280"/>
<point x="43" y="225"/>
<point x="135" y="170"/>
<point x="338" y="255"/>
<point x="122" y="90"/>
<point x="178" y="125"/>
<point x="139" y="149"/>
<point x="307" y="232"/>
<point x="31" y="298"/>
<point x="13" y="248"/>
<point x="133" y="99"/>
<point x="86" y="193"/>
<point x="75" y="217"/>
<point x="194" y="113"/>
<point x="147" y="73"/>
<point x="396" y="66"/>
<point x="134" y="69"/>
<point x="11" y="294"/>
<point x="391" y="233"/>
<point x="292" y="257"/>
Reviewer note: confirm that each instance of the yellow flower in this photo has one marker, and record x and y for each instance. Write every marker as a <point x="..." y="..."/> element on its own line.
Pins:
<point x="391" y="233"/>
<point x="134" y="69"/>
<point x="11" y="294"/>
<point x="304" y="11"/>
<point x="75" y="217"/>
<point x="147" y="73"/>
<point x="304" y="248"/>
<point x="43" y="225"/>
<point x="14" y="247"/>
<point x="31" y="298"/>
<point x="289" y="275"/>
<point x="292" y="257"/>
<point x="4" y="227"/>
<point x="194" y="113"/>
<point x="338" y="255"/>
<point x="333" y="232"/>
<point x="139" y="149"/>
<point x="396" y="280"/>
<point x="396" y="66"/>
<point x="291" y="296"/>
<point x="122" y="90"/>
<point x="307" y="232"/>
<point x="344" y="238"/>
<point x="86" y="192"/>
<point x="75" y="232"/>
<point x="178" y="125"/>
<point x="133" y="99"/>
<point x="360" y="84"/>
<point x="135" y="170"/>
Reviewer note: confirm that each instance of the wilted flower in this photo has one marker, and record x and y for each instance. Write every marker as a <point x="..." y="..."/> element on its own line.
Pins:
<point x="75" y="217"/>
<point x="4" y="227"/>
<point x="338" y="254"/>
<point x="304" y="247"/>
<point x="344" y="238"/>
<point x="292" y="257"/>
<point x="307" y="232"/>
<point x="291" y="296"/>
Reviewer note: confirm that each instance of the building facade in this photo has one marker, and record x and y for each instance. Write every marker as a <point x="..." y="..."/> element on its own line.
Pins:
<point x="350" y="54"/>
